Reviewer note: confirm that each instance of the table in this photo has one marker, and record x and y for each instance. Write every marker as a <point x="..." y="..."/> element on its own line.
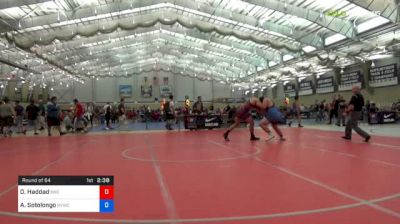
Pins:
<point x="382" y="117"/>
<point x="202" y="121"/>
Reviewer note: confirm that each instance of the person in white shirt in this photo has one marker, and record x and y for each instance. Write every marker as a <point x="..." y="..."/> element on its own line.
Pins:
<point x="90" y="113"/>
<point x="170" y="113"/>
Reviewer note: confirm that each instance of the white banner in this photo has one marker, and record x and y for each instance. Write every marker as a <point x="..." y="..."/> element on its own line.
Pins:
<point x="348" y="80"/>
<point x="305" y="88"/>
<point x="290" y="90"/>
<point x="325" y="85"/>
<point x="165" y="90"/>
<point x="383" y="76"/>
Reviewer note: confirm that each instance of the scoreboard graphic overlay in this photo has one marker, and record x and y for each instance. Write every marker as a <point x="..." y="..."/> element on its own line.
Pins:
<point x="66" y="194"/>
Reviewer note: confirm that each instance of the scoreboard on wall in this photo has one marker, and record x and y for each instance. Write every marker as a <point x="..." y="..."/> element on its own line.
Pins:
<point x="66" y="194"/>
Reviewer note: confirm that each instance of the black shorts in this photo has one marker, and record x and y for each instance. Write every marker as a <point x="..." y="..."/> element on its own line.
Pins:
<point x="6" y="121"/>
<point x="53" y="121"/>
<point x="107" y="116"/>
<point x="169" y="116"/>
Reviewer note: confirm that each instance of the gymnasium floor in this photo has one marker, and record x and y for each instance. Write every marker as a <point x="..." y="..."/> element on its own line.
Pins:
<point x="196" y="177"/>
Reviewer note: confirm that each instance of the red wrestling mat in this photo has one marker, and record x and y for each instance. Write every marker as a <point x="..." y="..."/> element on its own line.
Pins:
<point x="197" y="177"/>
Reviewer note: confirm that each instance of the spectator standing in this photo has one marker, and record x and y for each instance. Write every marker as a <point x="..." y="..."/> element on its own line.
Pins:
<point x="198" y="106"/>
<point x="33" y="115"/>
<point x="53" y="116"/>
<point x="19" y="117"/>
<point x="296" y="112"/>
<point x="6" y="117"/>
<point x="107" y="112"/>
<point x="334" y="109"/>
<point x="341" y="109"/>
<point x="79" y="121"/>
<point x="121" y="113"/>
<point x="90" y="113"/>
<point x="170" y="113"/>
<point x="42" y="115"/>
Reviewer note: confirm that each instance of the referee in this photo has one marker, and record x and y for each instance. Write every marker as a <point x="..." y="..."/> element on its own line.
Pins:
<point x="354" y="112"/>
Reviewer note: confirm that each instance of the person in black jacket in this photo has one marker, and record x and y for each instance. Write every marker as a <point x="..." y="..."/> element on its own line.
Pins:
<point x="353" y="112"/>
<point x="33" y="114"/>
<point x="334" y="109"/>
<point x="341" y="110"/>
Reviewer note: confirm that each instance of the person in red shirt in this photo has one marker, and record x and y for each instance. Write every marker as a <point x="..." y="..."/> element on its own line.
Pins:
<point x="79" y="119"/>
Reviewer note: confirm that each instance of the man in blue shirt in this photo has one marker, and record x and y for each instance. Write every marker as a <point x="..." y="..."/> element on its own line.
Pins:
<point x="53" y="115"/>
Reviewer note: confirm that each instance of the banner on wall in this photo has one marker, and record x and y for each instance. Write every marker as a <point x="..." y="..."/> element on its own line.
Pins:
<point x="350" y="79"/>
<point x="125" y="91"/>
<point x="305" y="88"/>
<point x="165" y="90"/>
<point x="383" y="76"/>
<point x="290" y="90"/>
<point x="325" y="85"/>
<point x="146" y="89"/>
<point x="165" y="81"/>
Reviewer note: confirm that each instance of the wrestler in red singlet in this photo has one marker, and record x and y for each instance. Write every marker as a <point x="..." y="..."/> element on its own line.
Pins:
<point x="243" y="114"/>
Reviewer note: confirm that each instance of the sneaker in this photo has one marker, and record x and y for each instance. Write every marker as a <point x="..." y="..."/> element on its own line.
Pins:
<point x="254" y="138"/>
<point x="290" y="124"/>
<point x="300" y="126"/>
<point x="367" y="138"/>
<point x="345" y="137"/>
<point x="62" y="133"/>
<point x="36" y="133"/>
<point x="270" y="136"/>
<point x="282" y="139"/>
<point x="226" y="136"/>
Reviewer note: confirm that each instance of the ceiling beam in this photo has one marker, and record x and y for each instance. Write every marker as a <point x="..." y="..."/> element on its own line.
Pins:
<point x="17" y="65"/>
<point x="151" y="49"/>
<point x="385" y="8"/>
<point x="334" y="24"/>
<point x="221" y="48"/>
<point x="257" y="52"/>
<point x="149" y="59"/>
<point x="195" y="9"/>
<point x="4" y="4"/>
